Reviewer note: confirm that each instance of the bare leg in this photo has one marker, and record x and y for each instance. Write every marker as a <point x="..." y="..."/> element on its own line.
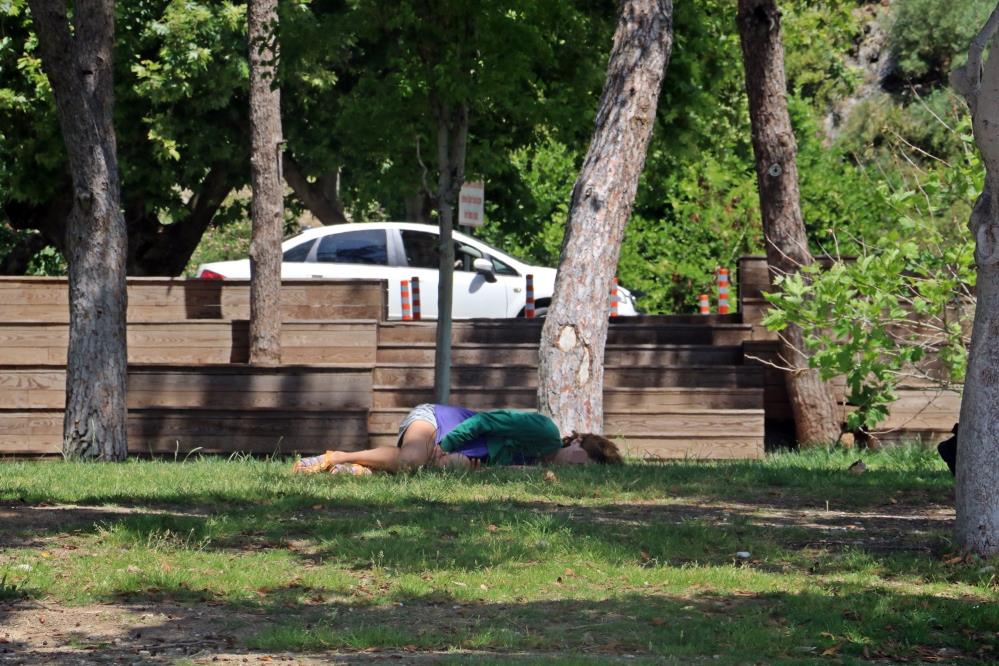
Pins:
<point x="417" y="450"/>
<point x="381" y="458"/>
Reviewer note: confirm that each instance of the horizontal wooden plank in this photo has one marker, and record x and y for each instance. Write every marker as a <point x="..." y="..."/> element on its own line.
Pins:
<point x="696" y="448"/>
<point x="160" y="299"/>
<point x="638" y="355"/>
<point x="615" y="398"/>
<point x="204" y="387"/>
<point x="166" y="430"/>
<point x="519" y="376"/>
<point x="198" y="342"/>
<point x="525" y="331"/>
<point x="35" y="445"/>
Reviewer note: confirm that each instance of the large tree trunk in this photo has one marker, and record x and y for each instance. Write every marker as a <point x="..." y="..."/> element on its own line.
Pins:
<point x="813" y="405"/>
<point x="977" y="526"/>
<point x="267" y="205"/>
<point x="452" y="141"/>
<point x="155" y="248"/>
<point x="571" y="368"/>
<point x="79" y="68"/>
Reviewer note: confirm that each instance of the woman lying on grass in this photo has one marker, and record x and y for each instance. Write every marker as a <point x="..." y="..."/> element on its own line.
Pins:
<point x="459" y="438"/>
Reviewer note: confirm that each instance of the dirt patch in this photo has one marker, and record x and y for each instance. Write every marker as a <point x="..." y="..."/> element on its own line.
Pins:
<point x="35" y="633"/>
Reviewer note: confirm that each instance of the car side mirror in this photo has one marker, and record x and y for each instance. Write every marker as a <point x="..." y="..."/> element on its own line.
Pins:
<point x="485" y="267"/>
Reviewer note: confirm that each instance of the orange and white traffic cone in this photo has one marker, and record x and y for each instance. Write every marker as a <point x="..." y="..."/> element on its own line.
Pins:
<point x="407" y="307"/>
<point x="416" y="298"/>
<point x="705" y="304"/>
<point x="722" y="291"/>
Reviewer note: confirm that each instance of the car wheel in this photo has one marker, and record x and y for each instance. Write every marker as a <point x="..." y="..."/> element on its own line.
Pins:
<point x="540" y="309"/>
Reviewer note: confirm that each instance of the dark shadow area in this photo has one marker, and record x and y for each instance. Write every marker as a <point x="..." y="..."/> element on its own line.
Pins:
<point x="354" y="531"/>
<point x="202" y="298"/>
<point x="227" y="409"/>
<point x="859" y="623"/>
<point x="240" y="345"/>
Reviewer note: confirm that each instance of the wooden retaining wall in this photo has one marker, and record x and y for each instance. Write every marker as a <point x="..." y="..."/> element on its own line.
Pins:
<point x="675" y="386"/>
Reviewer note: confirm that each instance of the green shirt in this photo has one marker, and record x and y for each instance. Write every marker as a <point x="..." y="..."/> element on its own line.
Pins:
<point x="511" y="437"/>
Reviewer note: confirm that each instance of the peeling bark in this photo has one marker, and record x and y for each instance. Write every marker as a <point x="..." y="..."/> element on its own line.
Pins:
<point x="79" y="67"/>
<point x="977" y="496"/>
<point x="812" y="403"/>
<point x="571" y="372"/>
<point x="267" y="205"/>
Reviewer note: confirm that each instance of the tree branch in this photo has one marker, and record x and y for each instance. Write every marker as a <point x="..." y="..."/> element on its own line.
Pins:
<point x="321" y="200"/>
<point x="967" y="79"/>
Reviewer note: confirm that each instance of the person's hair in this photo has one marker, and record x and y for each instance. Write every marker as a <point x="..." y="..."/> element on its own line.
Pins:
<point x="599" y="448"/>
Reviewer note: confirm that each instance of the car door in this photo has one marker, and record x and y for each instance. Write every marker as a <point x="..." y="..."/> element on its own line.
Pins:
<point x="473" y="295"/>
<point x="294" y="260"/>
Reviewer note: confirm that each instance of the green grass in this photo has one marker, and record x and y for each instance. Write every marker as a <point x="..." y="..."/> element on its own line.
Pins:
<point x="503" y="564"/>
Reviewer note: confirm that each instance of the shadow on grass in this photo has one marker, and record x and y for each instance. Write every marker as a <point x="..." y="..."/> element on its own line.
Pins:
<point x="854" y="622"/>
<point x="413" y="535"/>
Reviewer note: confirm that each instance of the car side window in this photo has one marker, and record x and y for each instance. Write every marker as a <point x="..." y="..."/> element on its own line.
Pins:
<point x="354" y="247"/>
<point x="421" y="249"/>
<point x="464" y="255"/>
<point x="502" y="269"/>
<point x="300" y="252"/>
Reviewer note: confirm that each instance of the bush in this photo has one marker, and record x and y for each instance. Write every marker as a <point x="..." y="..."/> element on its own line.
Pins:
<point x="929" y="37"/>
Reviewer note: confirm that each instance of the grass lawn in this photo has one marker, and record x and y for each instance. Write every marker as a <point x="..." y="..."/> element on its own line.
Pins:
<point x="209" y="559"/>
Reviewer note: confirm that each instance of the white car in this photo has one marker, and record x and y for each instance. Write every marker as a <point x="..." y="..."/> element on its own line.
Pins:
<point x="487" y="282"/>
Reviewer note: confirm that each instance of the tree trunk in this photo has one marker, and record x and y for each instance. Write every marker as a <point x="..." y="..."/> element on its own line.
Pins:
<point x="571" y="368"/>
<point x="158" y="249"/>
<point x="977" y="525"/>
<point x="322" y="198"/>
<point x="813" y="405"/>
<point x="267" y="205"/>
<point x="452" y="141"/>
<point x="79" y="68"/>
<point x="418" y="208"/>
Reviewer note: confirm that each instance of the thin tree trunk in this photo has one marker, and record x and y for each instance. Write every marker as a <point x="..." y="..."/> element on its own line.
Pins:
<point x="79" y="68"/>
<point x="977" y="525"/>
<point x="267" y="205"/>
<point x="813" y="405"/>
<point x="452" y="141"/>
<point x="571" y="368"/>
